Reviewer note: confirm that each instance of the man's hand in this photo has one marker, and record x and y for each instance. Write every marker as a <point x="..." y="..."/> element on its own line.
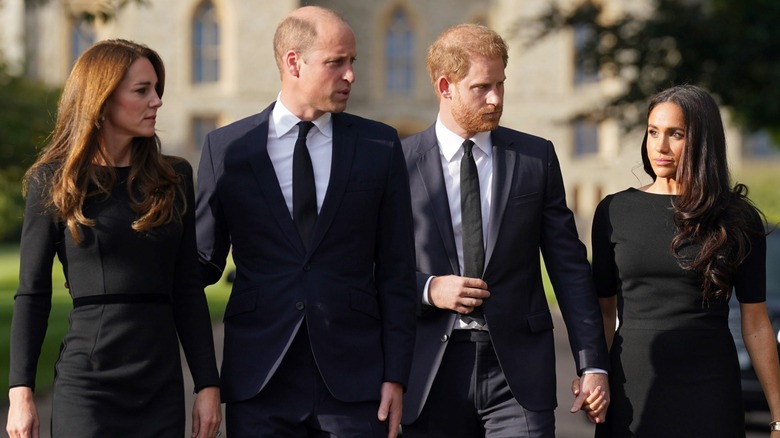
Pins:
<point x="391" y="407"/>
<point x="461" y="294"/>
<point x="591" y="394"/>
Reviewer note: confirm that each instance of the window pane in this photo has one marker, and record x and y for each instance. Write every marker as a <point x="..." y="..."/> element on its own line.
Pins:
<point x="205" y="44"/>
<point x="200" y="127"/>
<point x="586" y="138"/>
<point x="398" y="54"/>
<point x="82" y="37"/>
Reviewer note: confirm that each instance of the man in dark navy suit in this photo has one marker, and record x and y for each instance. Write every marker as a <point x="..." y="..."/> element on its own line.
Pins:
<point x="319" y="328"/>
<point x="486" y="200"/>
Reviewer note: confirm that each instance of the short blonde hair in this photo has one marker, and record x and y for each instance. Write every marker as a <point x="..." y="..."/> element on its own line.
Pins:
<point x="450" y="55"/>
<point x="298" y="31"/>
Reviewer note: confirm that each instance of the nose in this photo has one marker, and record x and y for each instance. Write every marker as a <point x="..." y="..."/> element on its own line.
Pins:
<point x="349" y="74"/>
<point x="660" y="144"/>
<point x="495" y="97"/>
<point x="156" y="101"/>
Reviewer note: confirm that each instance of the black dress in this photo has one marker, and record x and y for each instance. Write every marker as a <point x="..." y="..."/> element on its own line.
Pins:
<point x="674" y="364"/>
<point x="119" y="372"/>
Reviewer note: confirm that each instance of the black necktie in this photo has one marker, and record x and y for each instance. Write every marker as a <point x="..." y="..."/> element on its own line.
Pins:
<point x="304" y="191"/>
<point x="471" y="219"/>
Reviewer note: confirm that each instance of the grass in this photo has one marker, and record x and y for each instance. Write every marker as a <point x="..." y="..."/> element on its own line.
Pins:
<point x="58" y="319"/>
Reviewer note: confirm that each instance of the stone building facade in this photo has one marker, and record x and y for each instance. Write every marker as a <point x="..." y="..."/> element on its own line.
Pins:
<point x="220" y="68"/>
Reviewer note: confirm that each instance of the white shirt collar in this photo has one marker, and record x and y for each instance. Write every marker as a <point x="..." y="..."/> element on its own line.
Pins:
<point x="450" y="142"/>
<point x="284" y="120"/>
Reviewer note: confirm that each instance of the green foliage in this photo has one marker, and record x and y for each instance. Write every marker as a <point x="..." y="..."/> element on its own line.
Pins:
<point x="726" y="46"/>
<point x="26" y="119"/>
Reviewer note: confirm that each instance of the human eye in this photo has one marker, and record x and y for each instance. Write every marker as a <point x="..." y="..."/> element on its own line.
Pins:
<point x="678" y="135"/>
<point x="652" y="132"/>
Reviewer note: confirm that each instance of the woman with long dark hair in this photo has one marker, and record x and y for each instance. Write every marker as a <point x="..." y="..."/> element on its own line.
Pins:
<point x="119" y="216"/>
<point x="666" y="258"/>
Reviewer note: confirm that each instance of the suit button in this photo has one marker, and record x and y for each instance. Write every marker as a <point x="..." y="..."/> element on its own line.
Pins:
<point x="307" y="267"/>
<point x="299" y="305"/>
<point x="444" y="338"/>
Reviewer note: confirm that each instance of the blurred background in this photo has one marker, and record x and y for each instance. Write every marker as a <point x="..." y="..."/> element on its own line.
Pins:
<point x="580" y="74"/>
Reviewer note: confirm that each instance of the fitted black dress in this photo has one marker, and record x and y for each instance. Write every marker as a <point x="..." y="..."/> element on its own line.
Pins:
<point x="674" y="364"/>
<point x="119" y="372"/>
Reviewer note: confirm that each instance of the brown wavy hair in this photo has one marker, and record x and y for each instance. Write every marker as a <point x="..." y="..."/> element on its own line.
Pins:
<point x="708" y="211"/>
<point x="73" y="148"/>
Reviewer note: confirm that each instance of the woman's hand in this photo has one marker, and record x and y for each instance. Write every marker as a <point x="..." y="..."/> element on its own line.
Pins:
<point x="206" y="413"/>
<point x="22" y="414"/>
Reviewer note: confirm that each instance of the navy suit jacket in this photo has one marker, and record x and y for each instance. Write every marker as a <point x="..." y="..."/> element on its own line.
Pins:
<point x="355" y="286"/>
<point x="528" y="215"/>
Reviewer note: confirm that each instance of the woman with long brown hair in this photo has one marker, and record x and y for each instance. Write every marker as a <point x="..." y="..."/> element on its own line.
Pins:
<point x="119" y="216"/>
<point x="666" y="258"/>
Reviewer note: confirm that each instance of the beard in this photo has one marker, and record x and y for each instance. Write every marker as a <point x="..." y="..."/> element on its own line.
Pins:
<point x="482" y="120"/>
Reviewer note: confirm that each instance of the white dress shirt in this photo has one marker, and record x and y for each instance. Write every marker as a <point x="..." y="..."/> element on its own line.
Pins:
<point x="451" y="153"/>
<point x="282" y="133"/>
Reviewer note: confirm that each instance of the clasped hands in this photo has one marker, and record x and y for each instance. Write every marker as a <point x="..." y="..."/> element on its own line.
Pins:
<point x="591" y="394"/>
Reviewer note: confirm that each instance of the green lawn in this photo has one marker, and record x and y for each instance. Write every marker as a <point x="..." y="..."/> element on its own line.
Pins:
<point x="58" y="320"/>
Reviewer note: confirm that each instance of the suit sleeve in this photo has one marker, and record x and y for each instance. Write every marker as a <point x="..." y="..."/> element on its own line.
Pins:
<point x="213" y="238"/>
<point x="565" y="258"/>
<point x="395" y="271"/>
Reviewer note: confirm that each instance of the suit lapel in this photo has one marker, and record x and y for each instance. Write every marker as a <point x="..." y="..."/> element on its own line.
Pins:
<point x="257" y="143"/>
<point x="503" y="173"/>
<point x="344" y="144"/>
<point x="431" y="173"/>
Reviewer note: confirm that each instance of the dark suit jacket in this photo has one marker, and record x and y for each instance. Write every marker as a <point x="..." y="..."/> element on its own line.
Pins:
<point x="355" y="286"/>
<point x="528" y="214"/>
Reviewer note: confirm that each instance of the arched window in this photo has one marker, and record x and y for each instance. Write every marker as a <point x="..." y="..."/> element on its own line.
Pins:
<point x="81" y="38"/>
<point x="399" y="54"/>
<point x="205" y="44"/>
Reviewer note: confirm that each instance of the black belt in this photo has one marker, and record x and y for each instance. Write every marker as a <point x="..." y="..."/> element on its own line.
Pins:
<point x="122" y="299"/>
<point x="463" y="335"/>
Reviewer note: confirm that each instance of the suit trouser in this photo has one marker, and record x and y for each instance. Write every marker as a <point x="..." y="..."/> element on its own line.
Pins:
<point x="296" y="403"/>
<point x="471" y="398"/>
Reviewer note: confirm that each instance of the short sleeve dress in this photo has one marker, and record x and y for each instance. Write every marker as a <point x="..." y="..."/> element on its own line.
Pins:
<point x="136" y="296"/>
<point x="674" y="369"/>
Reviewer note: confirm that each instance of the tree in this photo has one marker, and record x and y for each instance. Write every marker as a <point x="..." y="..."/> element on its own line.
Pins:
<point x="27" y="114"/>
<point x="726" y="46"/>
<point x="103" y="10"/>
<point x="26" y="118"/>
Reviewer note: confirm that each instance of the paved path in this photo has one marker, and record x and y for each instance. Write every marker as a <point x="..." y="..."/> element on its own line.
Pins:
<point x="568" y="425"/>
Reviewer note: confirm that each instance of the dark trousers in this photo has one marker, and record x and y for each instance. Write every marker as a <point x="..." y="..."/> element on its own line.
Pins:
<point x="296" y="403"/>
<point x="471" y="398"/>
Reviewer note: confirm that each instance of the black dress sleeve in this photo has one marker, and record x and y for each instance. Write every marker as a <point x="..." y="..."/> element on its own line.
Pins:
<point x="41" y="236"/>
<point x="750" y="281"/>
<point x="191" y="311"/>
<point x="605" y="272"/>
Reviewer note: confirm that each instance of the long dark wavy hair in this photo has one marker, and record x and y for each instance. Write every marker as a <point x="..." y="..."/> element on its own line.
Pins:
<point x="708" y="212"/>
<point x="73" y="148"/>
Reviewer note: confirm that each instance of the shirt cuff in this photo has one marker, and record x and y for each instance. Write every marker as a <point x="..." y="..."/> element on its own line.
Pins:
<point x="591" y="370"/>
<point x="426" y="297"/>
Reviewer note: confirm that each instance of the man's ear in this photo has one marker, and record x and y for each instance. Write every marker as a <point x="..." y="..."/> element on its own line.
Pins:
<point x="444" y="87"/>
<point x="292" y="63"/>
